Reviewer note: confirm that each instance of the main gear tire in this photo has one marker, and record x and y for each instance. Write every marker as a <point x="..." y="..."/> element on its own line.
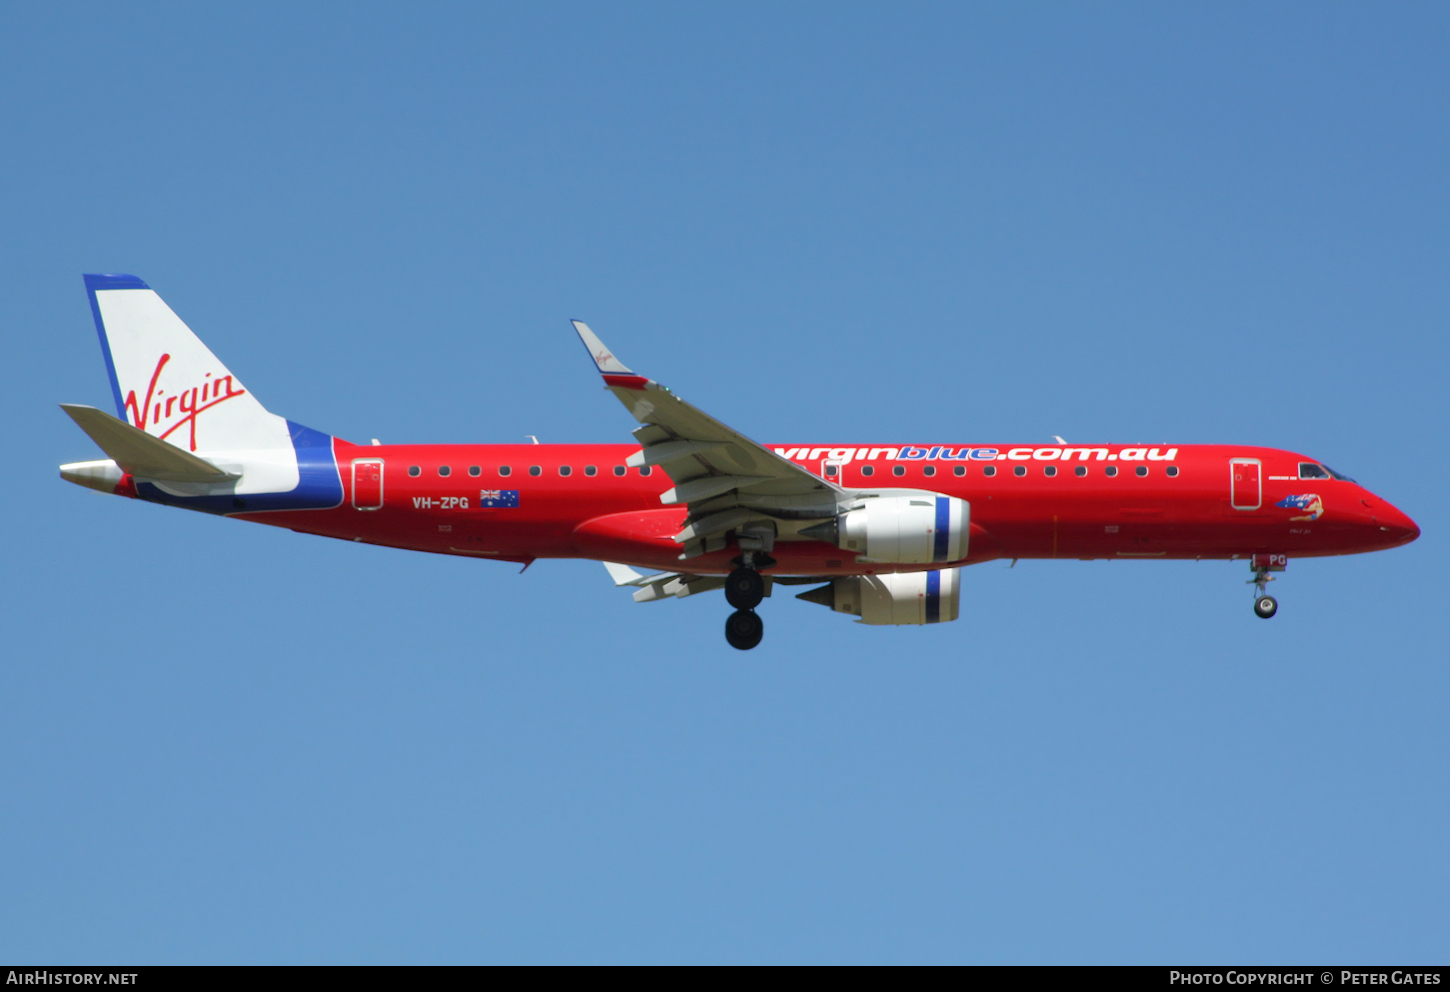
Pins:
<point x="744" y="629"/>
<point x="1266" y="606"/>
<point x="744" y="589"/>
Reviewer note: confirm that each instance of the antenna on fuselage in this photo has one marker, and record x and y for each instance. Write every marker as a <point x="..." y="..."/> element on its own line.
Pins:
<point x="532" y="438"/>
<point x="1058" y="439"/>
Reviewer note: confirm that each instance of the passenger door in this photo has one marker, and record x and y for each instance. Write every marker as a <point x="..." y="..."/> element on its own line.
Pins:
<point x="367" y="483"/>
<point x="1246" y="490"/>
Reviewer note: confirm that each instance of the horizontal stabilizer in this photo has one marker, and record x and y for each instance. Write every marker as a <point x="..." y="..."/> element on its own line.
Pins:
<point x="142" y="455"/>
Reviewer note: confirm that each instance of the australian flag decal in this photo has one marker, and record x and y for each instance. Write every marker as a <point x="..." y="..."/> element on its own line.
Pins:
<point x="498" y="497"/>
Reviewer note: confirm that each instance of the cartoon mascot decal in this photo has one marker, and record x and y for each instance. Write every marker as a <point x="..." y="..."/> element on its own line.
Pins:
<point x="1309" y="502"/>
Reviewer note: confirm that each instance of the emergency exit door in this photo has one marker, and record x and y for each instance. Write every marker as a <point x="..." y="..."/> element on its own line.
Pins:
<point x="1246" y="491"/>
<point x="367" y="483"/>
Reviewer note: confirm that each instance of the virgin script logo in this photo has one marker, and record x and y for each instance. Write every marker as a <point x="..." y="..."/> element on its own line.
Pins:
<point x="179" y="409"/>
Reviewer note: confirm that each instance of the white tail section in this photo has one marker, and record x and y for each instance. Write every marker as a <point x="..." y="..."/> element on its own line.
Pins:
<point x="168" y="384"/>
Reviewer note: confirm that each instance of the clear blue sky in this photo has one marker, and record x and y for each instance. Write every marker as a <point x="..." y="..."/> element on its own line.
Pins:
<point x="841" y="222"/>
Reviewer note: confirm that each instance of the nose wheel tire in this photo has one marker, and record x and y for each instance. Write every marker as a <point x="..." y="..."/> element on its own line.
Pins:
<point x="744" y="589"/>
<point x="1266" y="606"/>
<point x="744" y="629"/>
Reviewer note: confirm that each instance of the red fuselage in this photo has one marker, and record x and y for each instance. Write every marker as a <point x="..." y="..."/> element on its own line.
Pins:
<point x="1223" y="501"/>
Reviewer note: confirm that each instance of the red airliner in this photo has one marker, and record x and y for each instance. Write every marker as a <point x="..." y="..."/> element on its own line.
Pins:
<point x="880" y="530"/>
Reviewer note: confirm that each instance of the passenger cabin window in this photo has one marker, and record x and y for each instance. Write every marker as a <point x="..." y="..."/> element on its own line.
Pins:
<point x="1050" y="471"/>
<point x="646" y="470"/>
<point x="474" y="470"/>
<point x="1110" y="471"/>
<point x="831" y="471"/>
<point x="535" y="470"/>
<point x="898" y="470"/>
<point x="989" y="471"/>
<point x="445" y="470"/>
<point x="1080" y="471"/>
<point x="929" y="470"/>
<point x="1308" y="470"/>
<point x="414" y="470"/>
<point x="590" y="470"/>
<point x="619" y="470"/>
<point x="868" y="470"/>
<point x="505" y="470"/>
<point x="1172" y="471"/>
<point x="1019" y="470"/>
<point x="565" y="470"/>
<point x="1141" y="471"/>
<point x="959" y="470"/>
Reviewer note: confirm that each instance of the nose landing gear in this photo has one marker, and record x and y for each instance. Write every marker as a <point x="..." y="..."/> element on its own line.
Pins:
<point x="1265" y="605"/>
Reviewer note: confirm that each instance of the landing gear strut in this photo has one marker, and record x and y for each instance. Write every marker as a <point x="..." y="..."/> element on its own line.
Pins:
<point x="745" y="588"/>
<point x="1265" y="605"/>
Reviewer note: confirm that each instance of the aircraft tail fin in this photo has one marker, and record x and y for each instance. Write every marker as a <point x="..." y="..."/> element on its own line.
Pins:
<point x="168" y="384"/>
<point x="189" y="432"/>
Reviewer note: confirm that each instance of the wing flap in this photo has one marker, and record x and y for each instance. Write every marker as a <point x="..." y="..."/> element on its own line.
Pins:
<point x="705" y="486"/>
<point x="663" y="452"/>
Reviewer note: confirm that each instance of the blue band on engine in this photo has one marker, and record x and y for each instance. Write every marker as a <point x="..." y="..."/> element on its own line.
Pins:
<point x="933" y="596"/>
<point x="943" y="528"/>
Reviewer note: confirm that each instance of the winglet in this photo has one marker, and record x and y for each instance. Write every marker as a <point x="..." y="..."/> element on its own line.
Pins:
<point x="604" y="359"/>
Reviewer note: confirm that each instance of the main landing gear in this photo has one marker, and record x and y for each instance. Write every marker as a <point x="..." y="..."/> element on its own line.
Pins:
<point x="744" y="589"/>
<point x="744" y="629"/>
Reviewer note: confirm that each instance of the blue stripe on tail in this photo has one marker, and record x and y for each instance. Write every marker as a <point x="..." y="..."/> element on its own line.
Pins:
<point x="94" y="283"/>
<point x="319" y="484"/>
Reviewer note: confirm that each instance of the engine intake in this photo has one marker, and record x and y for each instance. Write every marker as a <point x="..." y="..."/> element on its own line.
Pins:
<point x="898" y="598"/>
<point x="919" y="529"/>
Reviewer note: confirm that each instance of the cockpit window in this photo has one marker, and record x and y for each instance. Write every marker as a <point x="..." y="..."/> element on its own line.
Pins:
<point x="1339" y="475"/>
<point x="1308" y="470"/>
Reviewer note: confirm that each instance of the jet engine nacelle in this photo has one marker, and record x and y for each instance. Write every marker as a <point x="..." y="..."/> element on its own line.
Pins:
<point x="899" y="598"/>
<point x="915" y="529"/>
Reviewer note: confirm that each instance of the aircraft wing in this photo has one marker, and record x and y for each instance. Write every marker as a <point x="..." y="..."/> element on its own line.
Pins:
<point x="727" y="480"/>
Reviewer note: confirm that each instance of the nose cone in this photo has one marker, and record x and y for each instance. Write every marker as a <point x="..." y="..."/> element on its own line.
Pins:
<point x="1395" y="528"/>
